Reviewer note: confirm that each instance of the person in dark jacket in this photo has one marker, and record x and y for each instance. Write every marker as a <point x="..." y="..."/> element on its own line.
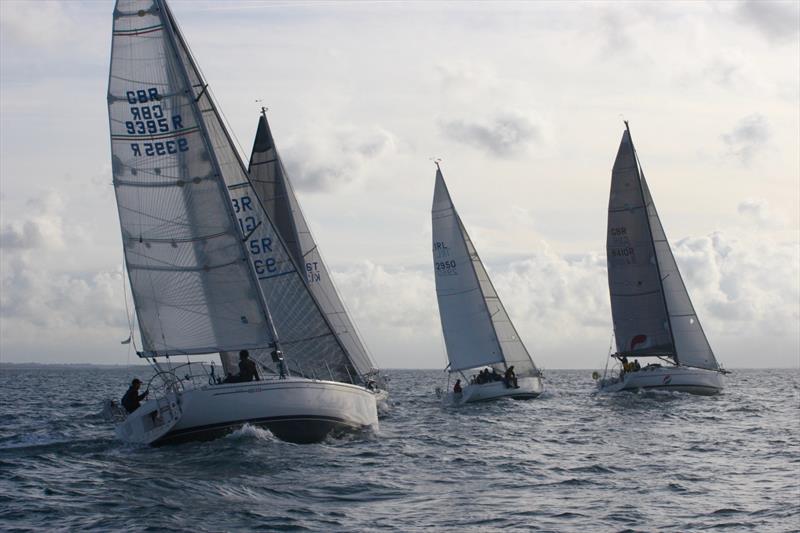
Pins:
<point x="247" y="368"/>
<point x="457" y="387"/>
<point x="511" y="378"/>
<point x="132" y="399"/>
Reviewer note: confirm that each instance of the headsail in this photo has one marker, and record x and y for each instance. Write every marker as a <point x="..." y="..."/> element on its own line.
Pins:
<point x="691" y="344"/>
<point x="652" y="312"/>
<point x="190" y="278"/>
<point x="477" y="328"/>
<point x="274" y="188"/>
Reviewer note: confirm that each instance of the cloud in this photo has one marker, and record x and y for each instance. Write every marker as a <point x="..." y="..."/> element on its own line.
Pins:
<point x="42" y="230"/>
<point x="505" y="134"/>
<point x="37" y="24"/>
<point x="757" y="211"/>
<point x="748" y="137"/>
<point x="329" y="159"/>
<point x="778" y="21"/>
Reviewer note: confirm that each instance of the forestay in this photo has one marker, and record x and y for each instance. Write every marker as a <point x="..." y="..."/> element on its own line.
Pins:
<point x="477" y="329"/>
<point x="652" y="312"/>
<point x="273" y="186"/>
<point x="191" y="281"/>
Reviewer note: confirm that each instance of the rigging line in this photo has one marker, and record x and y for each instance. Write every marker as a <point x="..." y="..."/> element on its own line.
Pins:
<point x="127" y="309"/>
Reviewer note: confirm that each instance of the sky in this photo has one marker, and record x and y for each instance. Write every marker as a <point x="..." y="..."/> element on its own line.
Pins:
<point x="523" y="102"/>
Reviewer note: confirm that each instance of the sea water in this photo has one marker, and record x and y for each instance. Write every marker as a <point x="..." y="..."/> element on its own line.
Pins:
<point x="572" y="460"/>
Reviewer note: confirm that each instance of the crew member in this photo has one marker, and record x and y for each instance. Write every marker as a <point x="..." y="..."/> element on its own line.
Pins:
<point x="132" y="399"/>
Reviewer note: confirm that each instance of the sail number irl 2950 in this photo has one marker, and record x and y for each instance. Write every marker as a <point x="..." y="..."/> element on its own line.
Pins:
<point x="148" y="119"/>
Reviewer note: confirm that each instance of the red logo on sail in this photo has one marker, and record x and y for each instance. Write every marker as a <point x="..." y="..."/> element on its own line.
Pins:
<point x="638" y="339"/>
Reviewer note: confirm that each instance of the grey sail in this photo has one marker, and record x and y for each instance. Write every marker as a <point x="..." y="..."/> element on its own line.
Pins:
<point x="652" y="312"/>
<point x="191" y="282"/>
<point x="187" y="210"/>
<point x="691" y="345"/>
<point x="273" y="186"/>
<point x="477" y="329"/>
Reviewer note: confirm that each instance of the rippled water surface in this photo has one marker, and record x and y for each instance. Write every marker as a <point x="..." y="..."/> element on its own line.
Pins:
<point x="571" y="460"/>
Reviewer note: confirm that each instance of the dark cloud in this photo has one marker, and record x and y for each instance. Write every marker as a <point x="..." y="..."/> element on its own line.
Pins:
<point x="321" y="165"/>
<point x="23" y="236"/>
<point x="502" y="136"/>
<point x="777" y="20"/>
<point x="748" y="137"/>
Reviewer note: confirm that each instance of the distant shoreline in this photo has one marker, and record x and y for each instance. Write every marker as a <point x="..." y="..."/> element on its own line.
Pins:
<point x="28" y="366"/>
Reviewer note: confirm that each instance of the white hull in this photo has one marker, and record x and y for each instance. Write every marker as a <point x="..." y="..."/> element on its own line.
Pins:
<point x="295" y="409"/>
<point x="529" y="388"/>
<point x="671" y="378"/>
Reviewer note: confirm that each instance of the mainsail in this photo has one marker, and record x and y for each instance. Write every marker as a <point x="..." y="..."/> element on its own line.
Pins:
<point x="652" y="311"/>
<point x="188" y="210"/>
<point x="477" y="329"/>
<point x="273" y="186"/>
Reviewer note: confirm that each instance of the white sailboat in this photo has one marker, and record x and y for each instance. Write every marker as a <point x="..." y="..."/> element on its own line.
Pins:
<point x="478" y="332"/>
<point x="653" y="315"/>
<point x="208" y="269"/>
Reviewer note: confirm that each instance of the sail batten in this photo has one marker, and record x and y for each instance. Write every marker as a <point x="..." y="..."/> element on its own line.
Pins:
<point x="475" y="324"/>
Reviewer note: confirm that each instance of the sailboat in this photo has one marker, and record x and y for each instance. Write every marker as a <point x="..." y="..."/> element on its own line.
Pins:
<point x="478" y="332"/>
<point x="209" y="272"/>
<point x="654" y="318"/>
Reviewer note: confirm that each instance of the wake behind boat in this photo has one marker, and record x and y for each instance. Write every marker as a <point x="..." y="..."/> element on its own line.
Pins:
<point x="478" y="332"/>
<point x="209" y="270"/>
<point x="653" y="315"/>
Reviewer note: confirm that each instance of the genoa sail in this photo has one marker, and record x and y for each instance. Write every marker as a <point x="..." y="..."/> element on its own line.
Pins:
<point x="192" y="290"/>
<point x="477" y="329"/>
<point x="273" y="186"/>
<point x="651" y="308"/>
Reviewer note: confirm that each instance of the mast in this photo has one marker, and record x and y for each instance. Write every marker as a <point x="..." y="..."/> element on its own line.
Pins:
<point x="652" y="244"/>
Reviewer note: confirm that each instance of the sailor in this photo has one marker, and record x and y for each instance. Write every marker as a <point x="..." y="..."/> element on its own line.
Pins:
<point x="132" y="399"/>
<point x="457" y="387"/>
<point x="636" y="365"/>
<point x="277" y="357"/>
<point x="511" y="378"/>
<point x="247" y="368"/>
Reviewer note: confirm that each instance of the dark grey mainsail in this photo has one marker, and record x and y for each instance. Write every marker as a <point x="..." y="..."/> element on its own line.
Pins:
<point x="208" y="269"/>
<point x="273" y="186"/>
<point x="653" y="314"/>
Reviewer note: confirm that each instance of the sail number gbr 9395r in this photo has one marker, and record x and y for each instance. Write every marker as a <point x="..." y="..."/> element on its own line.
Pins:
<point x="148" y="119"/>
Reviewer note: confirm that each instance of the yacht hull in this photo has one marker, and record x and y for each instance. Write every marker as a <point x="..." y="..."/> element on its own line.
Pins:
<point x="529" y="388"/>
<point x="295" y="410"/>
<point x="677" y="378"/>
